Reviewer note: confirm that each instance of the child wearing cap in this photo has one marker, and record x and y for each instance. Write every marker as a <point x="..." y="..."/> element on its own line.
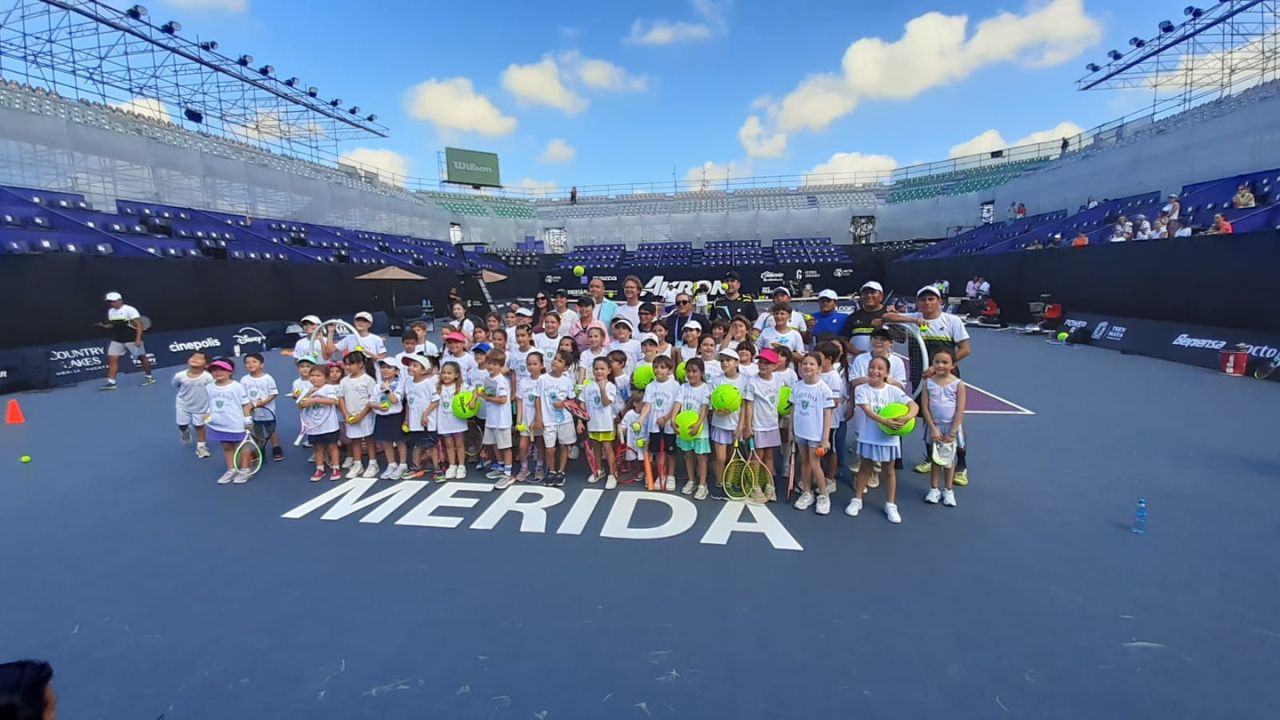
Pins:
<point x="356" y="404"/>
<point x="726" y="425"/>
<point x="262" y="393"/>
<point x="192" y="401"/>
<point x="455" y="350"/>
<point x="622" y="340"/>
<point x="419" y="416"/>
<point x="230" y="417"/>
<point x="479" y="370"/>
<point x="388" y="412"/>
<point x="695" y="395"/>
<point x="692" y="334"/>
<point x="363" y="341"/>
<point x="305" y="346"/>
<point x="761" y="422"/>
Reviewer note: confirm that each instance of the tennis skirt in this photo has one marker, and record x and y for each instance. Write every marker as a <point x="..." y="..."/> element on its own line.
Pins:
<point x="879" y="453"/>
<point x="386" y="428"/>
<point x="720" y="436"/>
<point x="766" y="438"/>
<point x="223" y="436"/>
<point x="697" y="446"/>
<point x="328" y="438"/>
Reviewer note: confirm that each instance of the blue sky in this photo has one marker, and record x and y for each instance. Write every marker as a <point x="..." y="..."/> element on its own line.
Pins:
<point x="641" y="91"/>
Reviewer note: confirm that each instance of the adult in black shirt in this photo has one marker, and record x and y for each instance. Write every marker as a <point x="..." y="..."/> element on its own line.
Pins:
<point x="867" y="317"/>
<point x="677" y="321"/>
<point x="734" y="303"/>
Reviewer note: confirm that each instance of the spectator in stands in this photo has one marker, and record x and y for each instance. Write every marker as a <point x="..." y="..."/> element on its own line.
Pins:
<point x="1080" y="240"/>
<point x="1035" y="244"/>
<point x="869" y="315"/>
<point x="971" y="287"/>
<point x="1161" y="229"/>
<point x="1220" y="226"/>
<point x="1013" y="212"/>
<point x="1055" y="241"/>
<point x="568" y="318"/>
<point x="735" y="304"/>
<point x="984" y="288"/>
<point x="26" y="691"/>
<point x="1066" y="145"/>
<point x="1143" y="228"/>
<point x="605" y="308"/>
<point x="683" y="315"/>
<point x="541" y="306"/>
<point x="1243" y="197"/>
<point x="828" y="320"/>
<point x="1183" y="231"/>
<point x="454" y="296"/>
<point x="629" y="308"/>
<point x="573" y="195"/>
<point x="1022" y="211"/>
<point x="1173" y="210"/>
<point x="1092" y="203"/>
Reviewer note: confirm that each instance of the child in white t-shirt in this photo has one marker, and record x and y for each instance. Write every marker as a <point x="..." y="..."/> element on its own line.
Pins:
<point x="596" y="348"/>
<point x="874" y="445"/>
<point x="635" y="439"/>
<point x="599" y="396"/>
<point x="450" y="427"/>
<point x="781" y="334"/>
<point x="811" y="417"/>
<point x="388" y="417"/>
<point x="420" y="400"/>
<point x="262" y="394"/>
<point x="230" y="417"/>
<point x="762" y="421"/>
<point x="835" y="373"/>
<point x="726" y="425"/>
<point x="526" y="412"/>
<point x="659" y="401"/>
<point x="318" y="408"/>
<point x="942" y="405"/>
<point x="496" y="394"/>
<point x="359" y="390"/>
<point x="192" y="402"/>
<point x="622" y="340"/>
<point x="553" y="419"/>
<point x="695" y="395"/>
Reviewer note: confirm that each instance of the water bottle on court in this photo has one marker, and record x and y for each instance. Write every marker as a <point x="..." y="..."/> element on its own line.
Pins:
<point x="1140" y="518"/>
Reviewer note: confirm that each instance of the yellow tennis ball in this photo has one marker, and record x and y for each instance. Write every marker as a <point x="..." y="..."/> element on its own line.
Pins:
<point x="635" y="426"/>
<point x="404" y="428"/>
<point x="640" y="444"/>
<point x="360" y="348"/>
<point x="351" y="419"/>
<point x="25" y="459"/>
<point x="521" y="427"/>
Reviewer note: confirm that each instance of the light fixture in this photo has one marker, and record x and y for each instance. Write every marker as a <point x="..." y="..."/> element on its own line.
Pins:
<point x="1092" y="67"/>
<point x="313" y="91"/>
<point x="354" y="110"/>
<point x="335" y="102"/>
<point x="1192" y="11"/>
<point x="266" y="70"/>
<point x="172" y="27"/>
<point x="1166" y="27"/>
<point x="372" y="118"/>
<point x="194" y="116"/>
<point x="1114" y="55"/>
<point x="292" y="81"/>
<point x="245" y="60"/>
<point x="209" y="46"/>
<point x="1137" y="42"/>
<point x="137" y="12"/>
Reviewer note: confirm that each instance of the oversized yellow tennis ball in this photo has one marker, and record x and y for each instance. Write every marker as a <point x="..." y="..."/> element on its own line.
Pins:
<point x="25" y="459"/>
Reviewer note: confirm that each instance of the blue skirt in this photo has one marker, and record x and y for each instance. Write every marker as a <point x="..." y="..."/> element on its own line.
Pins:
<point x="879" y="453"/>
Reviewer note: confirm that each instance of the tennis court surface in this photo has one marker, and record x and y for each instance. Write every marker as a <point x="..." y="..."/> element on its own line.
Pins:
<point x="155" y="592"/>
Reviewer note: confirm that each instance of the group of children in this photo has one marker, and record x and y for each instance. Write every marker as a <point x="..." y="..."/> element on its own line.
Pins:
<point x="532" y="396"/>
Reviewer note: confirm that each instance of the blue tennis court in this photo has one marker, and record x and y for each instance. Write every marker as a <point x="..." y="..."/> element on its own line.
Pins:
<point x="156" y="592"/>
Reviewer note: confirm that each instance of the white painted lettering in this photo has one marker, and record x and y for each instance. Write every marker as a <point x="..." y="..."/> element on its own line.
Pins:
<point x="729" y="521"/>
<point x="533" y="515"/>
<point x="421" y="515"/>
<point x="618" y="523"/>
<point x="576" y="521"/>
<point x="348" y="498"/>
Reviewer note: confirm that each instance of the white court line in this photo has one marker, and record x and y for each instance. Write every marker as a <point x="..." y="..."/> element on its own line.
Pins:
<point x="1020" y="410"/>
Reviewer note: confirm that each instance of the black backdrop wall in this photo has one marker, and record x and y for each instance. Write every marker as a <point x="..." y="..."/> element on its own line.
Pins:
<point x="55" y="299"/>
<point x="1222" y="281"/>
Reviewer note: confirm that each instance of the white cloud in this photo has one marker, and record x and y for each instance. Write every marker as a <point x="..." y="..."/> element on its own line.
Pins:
<point x="1238" y="67"/>
<point x="660" y="31"/>
<point x="752" y="137"/>
<point x="990" y="140"/>
<point x="604" y="75"/>
<point x="231" y="6"/>
<point x="147" y="108"/>
<point x="934" y="50"/>
<point x="709" y="173"/>
<point x="540" y="84"/>
<point x="391" y="166"/>
<point x="557" y="151"/>
<point x="453" y="104"/>
<point x="268" y="126"/>
<point x="538" y="187"/>
<point x="842" y="166"/>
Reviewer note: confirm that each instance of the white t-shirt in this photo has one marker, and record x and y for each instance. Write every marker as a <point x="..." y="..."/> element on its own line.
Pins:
<point x="588" y="357"/>
<point x="630" y="312"/>
<point x="405" y="379"/>
<point x="631" y="348"/>
<point x="944" y="328"/>
<point x="730" y="421"/>
<point x="300" y="388"/>
<point x="553" y="390"/>
<point x="763" y="395"/>
<point x="226" y="407"/>
<point x="693" y="398"/>
<point x="358" y="392"/>
<point x="984" y="288"/>
<point x="788" y="375"/>
<point x="790" y="339"/>
<point x="568" y="319"/>
<point x="876" y="399"/>
<point x="527" y="390"/>
<point x="466" y="363"/>
<point x="394" y="397"/>
<point x="306" y="347"/>
<point x="547" y="344"/>
<point x="600" y="406"/>
<point x="320" y="419"/>
<point x="418" y="396"/>
<point x="840" y="390"/>
<point x="623" y="384"/>
<point x="897" y="368"/>
<point x="124" y="313"/>
<point x="373" y="345"/>
<point x="712" y="370"/>
<point x="807" y="405"/>
<point x="518" y="362"/>
<point x="446" y="422"/>
<point x="942" y="400"/>
<point x="464" y="326"/>
<point x="749" y="370"/>
<point x="261" y="388"/>
<point x="193" y="392"/>
<point x="795" y="322"/>
<point x="687" y="353"/>
<point x="660" y="396"/>
<point x="496" y="415"/>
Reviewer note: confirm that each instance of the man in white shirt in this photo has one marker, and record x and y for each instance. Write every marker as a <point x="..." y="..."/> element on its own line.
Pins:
<point x="125" y="323"/>
<point x="605" y="308"/>
<point x="984" y="288"/>
<point x="629" y="308"/>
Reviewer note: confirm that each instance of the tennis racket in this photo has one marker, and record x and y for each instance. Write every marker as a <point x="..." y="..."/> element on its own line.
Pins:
<point x="1265" y="369"/>
<point x="145" y="322"/>
<point x="249" y="455"/>
<point x="592" y="461"/>
<point x="264" y="424"/>
<point x="912" y="348"/>
<point x="759" y="477"/>
<point x="791" y="468"/>
<point x="733" y="481"/>
<point x="648" y="470"/>
<point x="662" y="462"/>
<point x="310" y="418"/>
<point x="629" y="470"/>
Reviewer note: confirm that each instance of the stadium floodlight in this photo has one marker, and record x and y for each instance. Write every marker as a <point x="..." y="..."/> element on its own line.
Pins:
<point x="354" y="109"/>
<point x="1137" y="42"/>
<point x="266" y="70"/>
<point x="291" y="82"/>
<point x="1092" y="67"/>
<point x="1115" y="55"/>
<point x="137" y="12"/>
<point x="372" y="118"/>
<point x="335" y="102"/>
<point x="313" y="91"/>
<point x="209" y="45"/>
<point x="194" y="116"/>
<point x="1192" y="11"/>
<point x="172" y="27"/>
<point x="245" y="61"/>
<point x="1166" y="27"/>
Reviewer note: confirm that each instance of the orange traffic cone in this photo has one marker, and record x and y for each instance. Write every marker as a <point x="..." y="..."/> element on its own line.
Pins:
<point x="13" y="414"/>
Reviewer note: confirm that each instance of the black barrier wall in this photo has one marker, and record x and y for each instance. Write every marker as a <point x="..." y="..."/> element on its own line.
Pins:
<point x="1222" y="281"/>
<point x="56" y="299"/>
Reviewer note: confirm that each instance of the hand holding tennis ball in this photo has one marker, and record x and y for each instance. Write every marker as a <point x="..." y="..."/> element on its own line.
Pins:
<point x="404" y="428"/>
<point x="521" y="427"/>
<point x="636" y="427"/>
<point x="351" y="419"/>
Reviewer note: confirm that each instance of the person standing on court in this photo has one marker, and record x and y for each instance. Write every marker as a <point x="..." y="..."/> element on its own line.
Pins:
<point x="940" y="331"/>
<point x="605" y="308"/>
<point x="828" y="320"/>
<point x="684" y="314"/>
<point x="869" y="316"/>
<point x="630" y="307"/>
<point x="125" y="323"/>
<point x="734" y="303"/>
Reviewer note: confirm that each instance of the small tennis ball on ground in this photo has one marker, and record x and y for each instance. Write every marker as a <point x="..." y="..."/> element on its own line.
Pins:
<point x="1062" y="337"/>
<point x="579" y="271"/>
<point x="25" y="459"/>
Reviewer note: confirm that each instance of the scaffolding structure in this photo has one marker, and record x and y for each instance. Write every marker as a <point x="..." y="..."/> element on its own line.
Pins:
<point x="1217" y="50"/>
<point x="92" y="52"/>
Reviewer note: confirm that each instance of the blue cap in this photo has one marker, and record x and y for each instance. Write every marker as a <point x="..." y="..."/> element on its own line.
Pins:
<point x="481" y="347"/>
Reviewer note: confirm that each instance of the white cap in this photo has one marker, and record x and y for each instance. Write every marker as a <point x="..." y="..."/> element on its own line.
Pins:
<point x="873" y="285"/>
<point x="692" y="325"/>
<point x="727" y="353"/>
<point x="927" y="289"/>
<point x="113" y="297"/>
<point x="620" y="320"/>
<point x="362" y="315"/>
<point x="415" y="357"/>
<point x="524" y="311"/>
<point x="389" y="362"/>
<point x="828" y="295"/>
<point x="311" y="319"/>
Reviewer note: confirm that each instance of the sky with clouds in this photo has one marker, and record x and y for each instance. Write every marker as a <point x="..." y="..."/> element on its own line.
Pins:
<point x="585" y="93"/>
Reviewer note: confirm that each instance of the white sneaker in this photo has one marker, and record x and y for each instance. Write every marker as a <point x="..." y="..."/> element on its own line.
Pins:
<point x="186" y="436"/>
<point x="933" y="496"/>
<point x="449" y="472"/>
<point x="494" y="474"/>
<point x="227" y="476"/>
<point x="393" y="470"/>
<point x="671" y="483"/>
<point x="241" y="477"/>
<point x="346" y="463"/>
<point x="592" y="478"/>
<point x="853" y="508"/>
<point x="832" y="486"/>
<point x="770" y="493"/>
<point x="574" y="452"/>
<point x="460" y="473"/>
<point x="504" y="482"/>
<point x="701" y="493"/>
<point x="805" y="501"/>
<point x="356" y="469"/>
<point x="371" y="470"/>
<point x="891" y="512"/>
<point x="610" y="482"/>
<point x="949" y="498"/>
<point x="688" y="488"/>
<point x="824" y="505"/>
<point x="202" y="451"/>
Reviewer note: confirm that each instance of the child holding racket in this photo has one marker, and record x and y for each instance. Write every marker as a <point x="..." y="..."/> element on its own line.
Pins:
<point x="874" y="445"/>
<point x="363" y="341"/>
<point x="695" y="395"/>
<point x="726" y="425"/>
<point x="635" y="440"/>
<point x="192" y="402"/>
<point x="762" y="421"/>
<point x="835" y="373"/>
<point x="495" y="391"/>
<point x="419" y="417"/>
<point x="318" y="406"/>
<point x="526" y="412"/>
<point x="388" y="412"/>
<point x="619" y="362"/>
<point x="230" y="418"/>
<point x="553" y="419"/>
<point x="358" y="392"/>
<point x="811" y="416"/>
<point x="262" y="393"/>
<point x="451" y="428"/>
<point x="942" y="405"/>
<point x="655" y="419"/>
<point x="599" y="396"/>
